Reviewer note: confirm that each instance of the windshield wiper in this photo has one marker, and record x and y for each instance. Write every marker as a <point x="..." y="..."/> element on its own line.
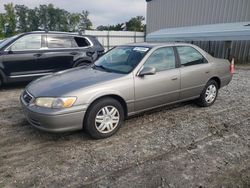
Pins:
<point x="102" y="67"/>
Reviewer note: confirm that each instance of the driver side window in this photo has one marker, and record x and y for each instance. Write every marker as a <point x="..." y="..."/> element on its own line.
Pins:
<point x="161" y="59"/>
<point x="28" y="42"/>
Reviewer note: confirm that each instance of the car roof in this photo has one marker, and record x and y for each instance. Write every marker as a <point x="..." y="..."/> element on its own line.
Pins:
<point x="152" y="45"/>
<point x="57" y="33"/>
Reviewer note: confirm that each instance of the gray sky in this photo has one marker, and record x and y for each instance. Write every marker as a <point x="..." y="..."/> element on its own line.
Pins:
<point x="102" y="12"/>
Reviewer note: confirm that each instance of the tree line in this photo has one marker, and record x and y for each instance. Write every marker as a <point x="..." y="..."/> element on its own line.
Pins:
<point x="134" y="24"/>
<point x="20" y="18"/>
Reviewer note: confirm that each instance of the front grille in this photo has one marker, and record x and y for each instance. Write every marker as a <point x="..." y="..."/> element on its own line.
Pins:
<point x="27" y="97"/>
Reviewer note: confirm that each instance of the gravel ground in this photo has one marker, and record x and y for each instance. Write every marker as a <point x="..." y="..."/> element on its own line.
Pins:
<point x="177" y="146"/>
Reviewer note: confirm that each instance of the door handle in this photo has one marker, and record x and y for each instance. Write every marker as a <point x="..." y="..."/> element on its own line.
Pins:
<point x="175" y="78"/>
<point x="37" y="55"/>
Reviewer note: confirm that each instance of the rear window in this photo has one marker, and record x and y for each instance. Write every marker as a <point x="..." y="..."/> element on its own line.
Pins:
<point x="190" y="56"/>
<point x="81" y="42"/>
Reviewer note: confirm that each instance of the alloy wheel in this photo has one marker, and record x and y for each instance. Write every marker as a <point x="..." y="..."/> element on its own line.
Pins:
<point x="211" y="93"/>
<point x="107" y="119"/>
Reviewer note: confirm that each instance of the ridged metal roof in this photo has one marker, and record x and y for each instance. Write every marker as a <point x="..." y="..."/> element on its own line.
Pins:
<point x="213" y="32"/>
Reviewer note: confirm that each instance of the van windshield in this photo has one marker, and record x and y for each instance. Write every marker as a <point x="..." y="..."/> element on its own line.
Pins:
<point x="122" y="59"/>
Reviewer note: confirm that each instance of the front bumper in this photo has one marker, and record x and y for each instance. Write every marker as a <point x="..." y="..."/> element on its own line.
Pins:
<point x="54" y="120"/>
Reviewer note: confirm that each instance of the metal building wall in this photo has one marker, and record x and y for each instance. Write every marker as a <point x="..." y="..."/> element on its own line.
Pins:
<point x="178" y="13"/>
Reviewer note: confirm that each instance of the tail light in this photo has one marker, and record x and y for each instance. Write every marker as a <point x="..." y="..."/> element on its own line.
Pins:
<point x="90" y="54"/>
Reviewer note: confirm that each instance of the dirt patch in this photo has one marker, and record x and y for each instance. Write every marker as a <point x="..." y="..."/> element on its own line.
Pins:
<point x="178" y="146"/>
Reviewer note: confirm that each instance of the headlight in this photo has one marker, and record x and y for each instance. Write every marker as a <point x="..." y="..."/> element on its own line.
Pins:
<point x="49" y="102"/>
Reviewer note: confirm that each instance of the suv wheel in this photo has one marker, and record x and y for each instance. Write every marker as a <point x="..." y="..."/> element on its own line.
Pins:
<point x="104" y="118"/>
<point x="209" y="94"/>
<point x="83" y="64"/>
<point x="1" y="82"/>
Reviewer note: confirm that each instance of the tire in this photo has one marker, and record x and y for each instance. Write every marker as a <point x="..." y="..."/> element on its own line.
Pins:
<point x="1" y="82"/>
<point x="104" y="118"/>
<point x="83" y="64"/>
<point x="210" y="89"/>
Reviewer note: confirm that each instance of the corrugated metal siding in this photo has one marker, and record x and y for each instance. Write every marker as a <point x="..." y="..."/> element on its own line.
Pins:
<point x="178" y="13"/>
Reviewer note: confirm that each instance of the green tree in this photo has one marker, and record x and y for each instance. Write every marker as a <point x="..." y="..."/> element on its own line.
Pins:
<point x="2" y="22"/>
<point x="43" y="16"/>
<point x="102" y="28"/>
<point x="51" y="14"/>
<point x="62" y="19"/>
<point x="118" y="27"/>
<point x="21" y="16"/>
<point x="135" y="24"/>
<point x="33" y="19"/>
<point x="85" y="22"/>
<point x="53" y="18"/>
<point x="74" y="21"/>
<point x="10" y="19"/>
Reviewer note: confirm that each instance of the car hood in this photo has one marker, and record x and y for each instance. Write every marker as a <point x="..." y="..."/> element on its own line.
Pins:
<point x="66" y="82"/>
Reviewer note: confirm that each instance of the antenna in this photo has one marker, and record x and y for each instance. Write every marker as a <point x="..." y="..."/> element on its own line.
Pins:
<point x="80" y="32"/>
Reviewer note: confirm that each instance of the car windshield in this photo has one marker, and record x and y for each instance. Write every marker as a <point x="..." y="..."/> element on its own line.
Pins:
<point x="7" y="40"/>
<point x="121" y="59"/>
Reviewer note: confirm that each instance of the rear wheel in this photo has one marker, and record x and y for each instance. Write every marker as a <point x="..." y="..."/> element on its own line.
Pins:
<point x="1" y="82"/>
<point x="104" y="118"/>
<point x="209" y="94"/>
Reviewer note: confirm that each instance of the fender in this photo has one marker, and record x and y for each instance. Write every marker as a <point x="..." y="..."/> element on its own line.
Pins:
<point x="106" y="93"/>
<point x="127" y="104"/>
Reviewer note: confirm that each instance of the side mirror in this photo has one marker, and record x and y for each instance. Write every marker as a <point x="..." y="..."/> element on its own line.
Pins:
<point x="10" y="52"/>
<point x="147" y="71"/>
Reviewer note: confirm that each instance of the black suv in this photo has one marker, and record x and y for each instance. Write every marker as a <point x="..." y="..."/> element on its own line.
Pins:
<point x="30" y="55"/>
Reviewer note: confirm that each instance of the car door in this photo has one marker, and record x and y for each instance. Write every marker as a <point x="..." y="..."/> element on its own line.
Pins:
<point x="162" y="87"/>
<point x="61" y="53"/>
<point x="20" y="58"/>
<point x="195" y="71"/>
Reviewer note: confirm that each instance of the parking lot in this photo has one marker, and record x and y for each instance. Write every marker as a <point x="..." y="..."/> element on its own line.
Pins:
<point x="181" y="145"/>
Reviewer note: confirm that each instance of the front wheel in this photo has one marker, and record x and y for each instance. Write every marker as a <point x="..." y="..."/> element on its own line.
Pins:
<point x="104" y="118"/>
<point x="209" y="94"/>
